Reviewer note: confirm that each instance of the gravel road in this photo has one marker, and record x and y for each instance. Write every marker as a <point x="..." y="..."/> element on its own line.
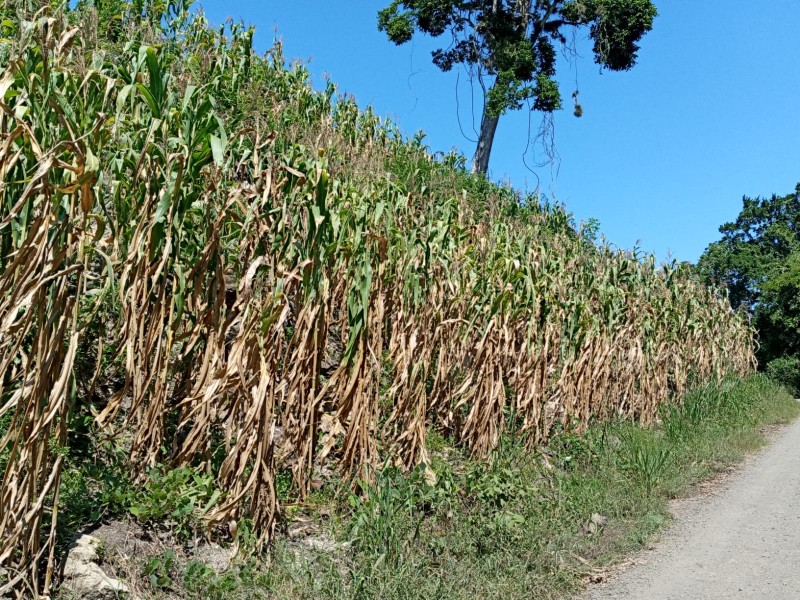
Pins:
<point x="741" y="543"/>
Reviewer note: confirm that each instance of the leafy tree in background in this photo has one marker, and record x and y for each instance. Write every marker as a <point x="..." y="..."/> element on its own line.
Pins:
<point x="513" y="43"/>
<point x="758" y="258"/>
<point x="778" y="313"/>
<point x="754" y="247"/>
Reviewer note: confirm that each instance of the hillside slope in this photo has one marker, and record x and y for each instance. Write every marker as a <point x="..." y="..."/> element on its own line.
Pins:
<point x="225" y="270"/>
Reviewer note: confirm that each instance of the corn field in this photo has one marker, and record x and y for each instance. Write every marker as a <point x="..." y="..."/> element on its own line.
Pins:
<point x="219" y="260"/>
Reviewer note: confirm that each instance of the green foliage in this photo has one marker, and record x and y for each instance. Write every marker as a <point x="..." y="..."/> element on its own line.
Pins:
<point x="616" y="30"/>
<point x="79" y="505"/>
<point x="786" y="370"/>
<point x="499" y="493"/>
<point x="499" y="488"/>
<point x="386" y="518"/>
<point x="179" y="497"/>
<point x="199" y="578"/>
<point x="683" y="420"/>
<point x="175" y="498"/>
<point x="245" y="580"/>
<point x="283" y="484"/>
<point x="159" y="568"/>
<point x="513" y="529"/>
<point x="495" y="487"/>
<point x="645" y="459"/>
<point x="95" y="483"/>
<point x="777" y="315"/>
<point x="752" y="247"/>
<point x="515" y="43"/>
<point x="758" y="259"/>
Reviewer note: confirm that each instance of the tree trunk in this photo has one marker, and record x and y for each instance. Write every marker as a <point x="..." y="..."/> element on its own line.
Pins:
<point x="480" y="162"/>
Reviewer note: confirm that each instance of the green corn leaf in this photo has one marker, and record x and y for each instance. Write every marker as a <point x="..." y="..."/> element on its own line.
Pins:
<point x="217" y="150"/>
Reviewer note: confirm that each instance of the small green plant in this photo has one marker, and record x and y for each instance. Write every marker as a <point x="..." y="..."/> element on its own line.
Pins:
<point x="646" y="459"/>
<point x="495" y="487"/>
<point x="181" y="496"/>
<point x="572" y="451"/>
<point x="435" y="441"/>
<point x="387" y="517"/>
<point x="681" y="420"/>
<point x="94" y="485"/>
<point x="158" y="568"/>
<point x="200" y="578"/>
<point x="283" y="484"/>
<point x="375" y="523"/>
<point x="497" y="495"/>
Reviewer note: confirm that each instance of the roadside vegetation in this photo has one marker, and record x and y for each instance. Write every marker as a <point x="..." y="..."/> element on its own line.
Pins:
<point x="230" y="304"/>
<point x="758" y="260"/>
<point x="526" y="525"/>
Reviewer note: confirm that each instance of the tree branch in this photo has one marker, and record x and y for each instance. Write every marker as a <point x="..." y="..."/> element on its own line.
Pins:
<point x="540" y="25"/>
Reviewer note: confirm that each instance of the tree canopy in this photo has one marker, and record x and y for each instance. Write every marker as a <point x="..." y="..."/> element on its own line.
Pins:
<point x="758" y="258"/>
<point x="754" y="247"/>
<point x="514" y="44"/>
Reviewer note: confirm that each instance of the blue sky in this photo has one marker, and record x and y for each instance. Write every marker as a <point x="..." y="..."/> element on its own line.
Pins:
<point x="662" y="155"/>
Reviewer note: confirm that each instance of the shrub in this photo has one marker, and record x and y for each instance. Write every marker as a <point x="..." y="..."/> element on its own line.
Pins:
<point x="786" y="370"/>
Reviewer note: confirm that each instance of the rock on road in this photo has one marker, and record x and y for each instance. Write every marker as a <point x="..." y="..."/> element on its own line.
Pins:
<point x="742" y="543"/>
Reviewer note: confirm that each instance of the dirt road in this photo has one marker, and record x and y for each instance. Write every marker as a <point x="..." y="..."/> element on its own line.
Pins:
<point x="741" y="543"/>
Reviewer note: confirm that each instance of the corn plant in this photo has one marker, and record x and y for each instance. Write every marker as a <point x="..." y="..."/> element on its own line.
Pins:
<point x="202" y="251"/>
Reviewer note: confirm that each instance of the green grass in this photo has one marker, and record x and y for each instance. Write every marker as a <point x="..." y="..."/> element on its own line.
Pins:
<point x="529" y="525"/>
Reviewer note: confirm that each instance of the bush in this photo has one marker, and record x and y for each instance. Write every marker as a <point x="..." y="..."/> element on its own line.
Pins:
<point x="786" y="370"/>
<point x="180" y="496"/>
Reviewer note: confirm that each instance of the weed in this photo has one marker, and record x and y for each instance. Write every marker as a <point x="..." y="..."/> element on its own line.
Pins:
<point x="388" y="514"/>
<point x="199" y="578"/>
<point x="180" y="497"/>
<point x="158" y="569"/>
<point x="646" y="458"/>
<point x="283" y="484"/>
<point x="497" y="486"/>
<point x="435" y="441"/>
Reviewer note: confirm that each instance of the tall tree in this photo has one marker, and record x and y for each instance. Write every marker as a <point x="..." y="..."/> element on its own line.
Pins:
<point x="758" y="258"/>
<point x="755" y="247"/>
<point x="513" y="44"/>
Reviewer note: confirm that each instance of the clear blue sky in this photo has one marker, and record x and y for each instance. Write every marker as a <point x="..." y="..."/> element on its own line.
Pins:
<point x="663" y="154"/>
